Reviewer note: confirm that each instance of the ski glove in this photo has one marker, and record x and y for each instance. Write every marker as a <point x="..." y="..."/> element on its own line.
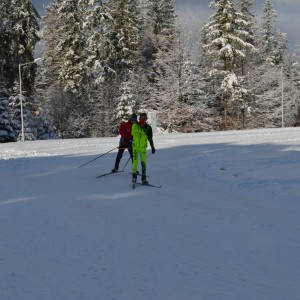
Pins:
<point x="153" y="149"/>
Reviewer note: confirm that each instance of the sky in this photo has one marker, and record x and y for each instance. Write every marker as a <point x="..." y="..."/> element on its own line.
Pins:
<point x="196" y="12"/>
<point x="224" y="225"/>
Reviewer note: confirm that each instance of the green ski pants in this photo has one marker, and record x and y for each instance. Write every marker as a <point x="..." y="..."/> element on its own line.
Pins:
<point x="135" y="155"/>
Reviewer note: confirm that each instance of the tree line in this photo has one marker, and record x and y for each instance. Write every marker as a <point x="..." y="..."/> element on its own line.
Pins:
<point x="101" y="61"/>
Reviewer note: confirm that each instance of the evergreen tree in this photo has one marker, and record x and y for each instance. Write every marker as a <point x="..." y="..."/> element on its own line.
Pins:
<point x="269" y="19"/>
<point x="111" y="62"/>
<point x="52" y="61"/>
<point x="70" y="47"/>
<point x="66" y="57"/>
<point x="44" y="125"/>
<point x="7" y="133"/>
<point x="30" y="132"/>
<point x="245" y="7"/>
<point x="272" y="42"/>
<point x="247" y="13"/>
<point x="160" y="17"/>
<point x="6" y="58"/>
<point x="101" y="53"/>
<point x="126" y="104"/>
<point x="19" y="28"/>
<point x="227" y="42"/>
<point x="102" y="64"/>
<point x="44" y="122"/>
<point x="126" y="32"/>
<point x="280" y="48"/>
<point x="226" y="35"/>
<point x="160" y="38"/>
<point x="19" y="35"/>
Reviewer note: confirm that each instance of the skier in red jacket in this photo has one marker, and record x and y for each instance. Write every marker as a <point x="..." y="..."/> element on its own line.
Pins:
<point x="125" y="140"/>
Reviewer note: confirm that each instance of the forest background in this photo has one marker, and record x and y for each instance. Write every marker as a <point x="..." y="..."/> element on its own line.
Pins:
<point x="103" y="61"/>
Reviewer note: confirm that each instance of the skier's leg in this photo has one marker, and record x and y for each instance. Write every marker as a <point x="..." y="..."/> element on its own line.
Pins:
<point x="118" y="158"/>
<point x="143" y="163"/>
<point x="135" y="157"/>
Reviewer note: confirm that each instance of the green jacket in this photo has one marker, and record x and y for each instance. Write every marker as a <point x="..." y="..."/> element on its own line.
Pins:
<point x="140" y="136"/>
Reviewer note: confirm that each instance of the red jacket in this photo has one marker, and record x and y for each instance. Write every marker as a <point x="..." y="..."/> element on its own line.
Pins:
<point x="125" y="132"/>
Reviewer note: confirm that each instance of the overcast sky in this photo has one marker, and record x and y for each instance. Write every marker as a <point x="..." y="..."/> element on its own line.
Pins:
<point x="197" y="11"/>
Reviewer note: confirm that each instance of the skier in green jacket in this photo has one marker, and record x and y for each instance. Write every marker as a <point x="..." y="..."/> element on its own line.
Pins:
<point x="141" y="132"/>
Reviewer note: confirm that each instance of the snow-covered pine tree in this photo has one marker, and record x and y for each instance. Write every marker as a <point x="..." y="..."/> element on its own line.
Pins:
<point x="127" y="103"/>
<point x="266" y="81"/>
<point x="127" y="18"/>
<point x="44" y="122"/>
<point x="30" y="128"/>
<point x="44" y="125"/>
<point x="7" y="132"/>
<point x="19" y="35"/>
<point x="272" y="43"/>
<point x="50" y="34"/>
<point x="30" y="132"/>
<point x="98" y="28"/>
<point x="280" y="48"/>
<point x="24" y="21"/>
<point x="101" y="62"/>
<point x="226" y="35"/>
<point x="66" y="56"/>
<point x="269" y="20"/>
<point x="125" y="38"/>
<point x="52" y="95"/>
<point x="246" y="9"/>
<point x="70" y="47"/>
<point x="6" y="41"/>
<point x="160" y="36"/>
<point x="160" y="17"/>
<point x="226" y="43"/>
<point x="209" y="63"/>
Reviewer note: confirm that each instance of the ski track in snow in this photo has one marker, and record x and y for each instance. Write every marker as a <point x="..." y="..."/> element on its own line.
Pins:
<point x="224" y="226"/>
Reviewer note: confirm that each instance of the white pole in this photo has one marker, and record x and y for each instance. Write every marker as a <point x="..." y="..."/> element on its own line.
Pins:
<point x="21" y="96"/>
<point x="21" y="100"/>
<point x="282" y="111"/>
<point x="152" y="120"/>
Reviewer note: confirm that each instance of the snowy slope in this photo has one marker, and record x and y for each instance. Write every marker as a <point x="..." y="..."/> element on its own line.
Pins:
<point x="224" y="226"/>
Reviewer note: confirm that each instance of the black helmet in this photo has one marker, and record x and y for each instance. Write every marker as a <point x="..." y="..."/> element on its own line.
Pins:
<point x="133" y="117"/>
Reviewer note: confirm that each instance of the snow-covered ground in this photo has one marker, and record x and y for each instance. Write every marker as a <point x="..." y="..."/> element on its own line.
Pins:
<point x="224" y="226"/>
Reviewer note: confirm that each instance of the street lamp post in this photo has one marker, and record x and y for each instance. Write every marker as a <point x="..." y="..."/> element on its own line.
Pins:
<point x="21" y="97"/>
<point x="282" y="102"/>
<point x="282" y="112"/>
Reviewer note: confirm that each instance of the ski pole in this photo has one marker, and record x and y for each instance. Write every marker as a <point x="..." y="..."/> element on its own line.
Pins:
<point x="126" y="164"/>
<point x="98" y="157"/>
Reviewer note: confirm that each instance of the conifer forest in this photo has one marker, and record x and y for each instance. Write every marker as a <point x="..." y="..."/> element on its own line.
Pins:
<point x="100" y="61"/>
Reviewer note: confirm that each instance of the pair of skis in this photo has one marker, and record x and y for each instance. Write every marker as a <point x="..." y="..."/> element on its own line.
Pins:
<point x="133" y="183"/>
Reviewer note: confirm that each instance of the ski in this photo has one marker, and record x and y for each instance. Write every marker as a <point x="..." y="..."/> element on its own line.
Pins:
<point x="149" y="184"/>
<point x="110" y="173"/>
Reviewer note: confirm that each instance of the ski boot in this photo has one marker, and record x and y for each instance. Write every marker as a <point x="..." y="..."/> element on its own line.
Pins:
<point x="114" y="170"/>
<point x="144" y="180"/>
<point x="134" y="177"/>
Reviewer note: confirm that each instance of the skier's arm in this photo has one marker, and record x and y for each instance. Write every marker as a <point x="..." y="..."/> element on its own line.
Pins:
<point x="150" y="138"/>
